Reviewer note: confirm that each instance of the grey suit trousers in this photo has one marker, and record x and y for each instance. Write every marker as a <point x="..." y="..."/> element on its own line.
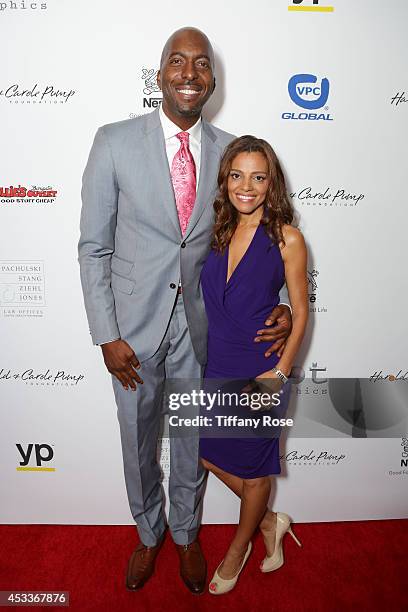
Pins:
<point x="139" y="415"/>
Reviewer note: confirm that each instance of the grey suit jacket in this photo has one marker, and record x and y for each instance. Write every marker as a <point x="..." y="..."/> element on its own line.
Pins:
<point x="131" y="251"/>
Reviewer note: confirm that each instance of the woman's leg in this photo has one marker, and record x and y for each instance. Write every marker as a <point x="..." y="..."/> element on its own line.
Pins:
<point x="233" y="482"/>
<point x="254" y="494"/>
<point x="268" y="523"/>
<point x="254" y="499"/>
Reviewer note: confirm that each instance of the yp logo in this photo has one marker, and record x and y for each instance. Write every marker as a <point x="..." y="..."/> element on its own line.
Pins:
<point x="311" y="7"/>
<point x="43" y="453"/>
<point x="305" y="91"/>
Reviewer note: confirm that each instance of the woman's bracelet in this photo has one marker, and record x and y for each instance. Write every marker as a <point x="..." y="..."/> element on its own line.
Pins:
<point x="280" y="375"/>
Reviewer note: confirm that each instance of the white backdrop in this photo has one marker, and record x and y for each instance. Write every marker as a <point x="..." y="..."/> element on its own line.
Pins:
<point x="69" y="67"/>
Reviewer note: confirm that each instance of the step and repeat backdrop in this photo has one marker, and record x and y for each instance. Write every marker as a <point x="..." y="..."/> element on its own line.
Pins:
<point x="326" y="84"/>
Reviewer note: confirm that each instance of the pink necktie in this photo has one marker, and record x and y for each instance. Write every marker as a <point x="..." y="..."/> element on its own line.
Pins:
<point x="183" y="176"/>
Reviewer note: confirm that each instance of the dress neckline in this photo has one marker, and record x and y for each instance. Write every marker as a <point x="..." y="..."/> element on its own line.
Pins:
<point x="244" y="256"/>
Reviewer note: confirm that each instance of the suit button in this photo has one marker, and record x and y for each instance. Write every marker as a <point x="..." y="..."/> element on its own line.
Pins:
<point x="183" y="245"/>
<point x="172" y="286"/>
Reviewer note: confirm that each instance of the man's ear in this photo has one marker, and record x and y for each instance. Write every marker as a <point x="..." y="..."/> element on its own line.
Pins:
<point x="158" y="79"/>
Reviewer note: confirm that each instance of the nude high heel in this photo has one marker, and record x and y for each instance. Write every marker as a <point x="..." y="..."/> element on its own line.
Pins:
<point x="269" y="564"/>
<point x="219" y="586"/>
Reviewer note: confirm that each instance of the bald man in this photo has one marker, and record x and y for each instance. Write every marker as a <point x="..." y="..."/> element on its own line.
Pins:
<point x="146" y="222"/>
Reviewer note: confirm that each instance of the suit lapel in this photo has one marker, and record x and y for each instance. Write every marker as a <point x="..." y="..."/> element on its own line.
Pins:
<point x="210" y="158"/>
<point x="159" y="167"/>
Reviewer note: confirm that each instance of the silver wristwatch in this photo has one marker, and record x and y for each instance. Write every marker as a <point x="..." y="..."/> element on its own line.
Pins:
<point x="280" y="375"/>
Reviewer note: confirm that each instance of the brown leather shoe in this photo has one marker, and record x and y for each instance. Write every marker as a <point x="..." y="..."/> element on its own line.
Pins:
<point x="141" y="565"/>
<point x="193" y="567"/>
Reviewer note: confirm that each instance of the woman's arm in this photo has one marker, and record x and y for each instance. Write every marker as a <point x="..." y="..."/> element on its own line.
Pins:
<point x="294" y="255"/>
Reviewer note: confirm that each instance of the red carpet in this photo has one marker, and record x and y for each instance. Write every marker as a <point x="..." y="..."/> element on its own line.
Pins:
<point x="358" y="566"/>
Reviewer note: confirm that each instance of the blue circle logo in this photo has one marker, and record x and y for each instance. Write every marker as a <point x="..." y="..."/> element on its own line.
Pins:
<point x="303" y="89"/>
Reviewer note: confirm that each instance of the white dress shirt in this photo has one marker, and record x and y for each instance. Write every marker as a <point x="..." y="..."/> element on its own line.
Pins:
<point x="172" y="143"/>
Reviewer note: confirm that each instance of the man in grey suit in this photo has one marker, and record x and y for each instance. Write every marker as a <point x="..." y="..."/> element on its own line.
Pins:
<point x="140" y="277"/>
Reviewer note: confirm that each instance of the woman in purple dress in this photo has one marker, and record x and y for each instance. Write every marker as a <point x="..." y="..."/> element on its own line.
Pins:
<point x="255" y="249"/>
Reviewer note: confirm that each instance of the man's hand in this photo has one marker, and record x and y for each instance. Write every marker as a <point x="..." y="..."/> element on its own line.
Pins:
<point x="279" y="333"/>
<point x="122" y="362"/>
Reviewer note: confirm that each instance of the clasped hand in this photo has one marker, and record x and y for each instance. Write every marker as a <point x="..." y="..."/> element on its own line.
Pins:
<point x="281" y="320"/>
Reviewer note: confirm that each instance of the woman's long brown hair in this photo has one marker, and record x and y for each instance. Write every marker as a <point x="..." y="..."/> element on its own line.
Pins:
<point x="277" y="208"/>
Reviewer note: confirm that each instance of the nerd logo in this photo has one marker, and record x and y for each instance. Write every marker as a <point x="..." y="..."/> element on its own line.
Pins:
<point x="149" y="76"/>
<point x="305" y="91"/>
<point x="43" y="453"/>
<point x="404" y="452"/>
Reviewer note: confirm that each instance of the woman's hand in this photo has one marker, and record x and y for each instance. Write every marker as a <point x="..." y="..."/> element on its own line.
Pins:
<point x="266" y="383"/>
<point x="269" y="381"/>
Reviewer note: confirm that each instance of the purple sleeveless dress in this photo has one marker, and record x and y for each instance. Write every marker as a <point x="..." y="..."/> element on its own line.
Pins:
<point x="235" y="311"/>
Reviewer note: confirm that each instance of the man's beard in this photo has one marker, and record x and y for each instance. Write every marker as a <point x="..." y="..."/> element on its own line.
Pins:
<point x="190" y="112"/>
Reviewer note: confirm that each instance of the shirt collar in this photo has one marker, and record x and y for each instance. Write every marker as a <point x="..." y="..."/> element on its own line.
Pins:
<point x="170" y="129"/>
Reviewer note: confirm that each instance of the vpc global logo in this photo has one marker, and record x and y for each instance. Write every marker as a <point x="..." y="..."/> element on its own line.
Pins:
<point x="310" y="94"/>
